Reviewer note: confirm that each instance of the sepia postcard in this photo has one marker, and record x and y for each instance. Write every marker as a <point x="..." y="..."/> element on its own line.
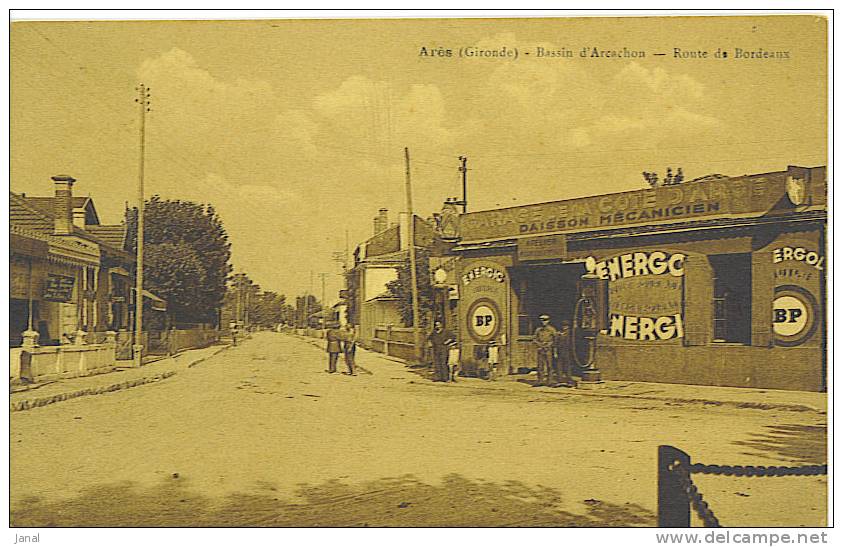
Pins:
<point x="402" y="270"/>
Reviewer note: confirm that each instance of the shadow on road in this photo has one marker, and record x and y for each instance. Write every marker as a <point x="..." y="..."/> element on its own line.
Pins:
<point x="800" y="444"/>
<point x="394" y="502"/>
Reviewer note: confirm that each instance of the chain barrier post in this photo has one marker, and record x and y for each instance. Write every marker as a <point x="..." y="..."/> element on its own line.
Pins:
<point x="674" y="509"/>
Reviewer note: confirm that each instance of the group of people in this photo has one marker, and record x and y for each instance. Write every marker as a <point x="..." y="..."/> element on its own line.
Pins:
<point x="553" y="354"/>
<point x="441" y="343"/>
<point x="341" y="340"/>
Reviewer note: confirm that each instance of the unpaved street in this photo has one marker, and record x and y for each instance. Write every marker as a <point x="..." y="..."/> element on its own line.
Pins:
<point x="260" y="435"/>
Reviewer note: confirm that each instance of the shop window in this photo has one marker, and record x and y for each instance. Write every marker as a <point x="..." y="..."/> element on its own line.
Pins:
<point x="732" y="298"/>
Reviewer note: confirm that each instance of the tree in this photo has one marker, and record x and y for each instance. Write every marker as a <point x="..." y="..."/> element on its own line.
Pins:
<point x="175" y="273"/>
<point x="352" y="282"/>
<point x="652" y="178"/>
<point x="269" y="309"/>
<point x="200" y="237"/>
<point x="305" y="307"/>
<point x="401" y="289"/>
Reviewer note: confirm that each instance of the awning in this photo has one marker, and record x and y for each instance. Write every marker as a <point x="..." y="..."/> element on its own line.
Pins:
<point x="28" y="246"/>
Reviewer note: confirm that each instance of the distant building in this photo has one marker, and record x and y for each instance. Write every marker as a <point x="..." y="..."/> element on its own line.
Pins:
<point x="376" y="264"/>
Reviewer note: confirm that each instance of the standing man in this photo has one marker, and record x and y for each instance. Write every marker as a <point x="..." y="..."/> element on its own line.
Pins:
<point x="349" y="347"/>
<point x="545" y="341"/>
<point x="333" y="336"/>
<point x="564" y="374"/>
<point x="440" y="342"/>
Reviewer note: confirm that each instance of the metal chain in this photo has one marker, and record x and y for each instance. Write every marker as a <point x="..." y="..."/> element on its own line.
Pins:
<point x="758" y="470"/>
<point x="694" y="497"/>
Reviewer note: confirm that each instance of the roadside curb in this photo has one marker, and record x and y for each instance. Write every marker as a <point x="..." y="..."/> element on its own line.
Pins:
<point x="708" y="402"/>
<point x="37" y="402"/>
<point x="44" y="401"/>
<point x="202" y="359"/>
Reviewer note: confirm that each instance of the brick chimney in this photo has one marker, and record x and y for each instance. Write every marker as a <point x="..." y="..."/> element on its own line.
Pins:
<point x="63" y="204"/>
<point x="79" y="217"/>
<point x="381" y="221"/>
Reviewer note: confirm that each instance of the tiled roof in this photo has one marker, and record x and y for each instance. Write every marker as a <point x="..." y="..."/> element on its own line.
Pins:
<point x="24" y="213"/>
<point x="113" y="234"/>
<point x="47" y="204"/>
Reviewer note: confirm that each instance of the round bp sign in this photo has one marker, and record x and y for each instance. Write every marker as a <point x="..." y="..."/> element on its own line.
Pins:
<point x="794" y="315"/>
<point x="483" y="320"/>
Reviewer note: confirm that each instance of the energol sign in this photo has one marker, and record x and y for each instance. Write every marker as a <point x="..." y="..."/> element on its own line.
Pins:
<point x="645" y="294"/>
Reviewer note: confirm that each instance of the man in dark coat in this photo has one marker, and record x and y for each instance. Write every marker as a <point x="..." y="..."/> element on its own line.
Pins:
<point x="349" y="347"/>
<point x="440" y="342"/>
<point x="334" y="337"/>
<point x="545" y="341"/>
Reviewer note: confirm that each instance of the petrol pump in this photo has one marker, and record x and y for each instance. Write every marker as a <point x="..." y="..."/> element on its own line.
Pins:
<point x="585" y="328"/>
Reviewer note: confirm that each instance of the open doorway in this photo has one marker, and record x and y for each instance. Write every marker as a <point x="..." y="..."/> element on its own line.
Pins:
<point x="545" y="289"/>
<point x="732" y="297"/>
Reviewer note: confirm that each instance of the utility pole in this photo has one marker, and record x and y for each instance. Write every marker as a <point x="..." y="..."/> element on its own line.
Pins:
<point x="411" y="229"/>
<point x="307" y="302"/>
<point x="247" y="299"/>
<point x="143" y="103"/>
<point x="238" y="298"/>
<point x="324" y="323"/>
<point x="463" y="170"/>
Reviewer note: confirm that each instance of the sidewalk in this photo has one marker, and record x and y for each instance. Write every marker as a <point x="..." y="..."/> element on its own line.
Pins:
<point x="764" y="399"/>
<point x="738" y="397"/>
<point x="124" y="378"/>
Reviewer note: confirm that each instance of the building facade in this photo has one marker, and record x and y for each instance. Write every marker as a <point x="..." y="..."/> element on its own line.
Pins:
<point x="69" y="273"/>
<point x="714" y="282"/>
<point x="376" y="264"/>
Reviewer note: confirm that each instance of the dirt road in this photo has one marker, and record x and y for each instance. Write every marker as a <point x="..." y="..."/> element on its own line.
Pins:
<point x="260" y="435"/>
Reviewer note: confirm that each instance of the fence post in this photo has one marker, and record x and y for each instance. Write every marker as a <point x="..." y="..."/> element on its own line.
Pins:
<point x="386" y="340"/>
<point x="674" y="510"/>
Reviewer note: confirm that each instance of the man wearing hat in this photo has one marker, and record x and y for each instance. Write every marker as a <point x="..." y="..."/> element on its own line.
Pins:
<point x="334" y="339"/>
<point x="545" y="340"/>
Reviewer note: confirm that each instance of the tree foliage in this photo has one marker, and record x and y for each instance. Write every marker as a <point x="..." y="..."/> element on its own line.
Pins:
<point x="244" y="301"/>
<point x="270" y="309"/>
<point x="670" y="179"/>
<point x="401" y="289"/>
<point x="306" y="306"/>
<point x="194" y="293"/>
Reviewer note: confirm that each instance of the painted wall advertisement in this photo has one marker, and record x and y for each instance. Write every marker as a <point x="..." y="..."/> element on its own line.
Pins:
<point x="796" y="313"/>
<point x="645" y="294"/>
<point x="484" y="287"/>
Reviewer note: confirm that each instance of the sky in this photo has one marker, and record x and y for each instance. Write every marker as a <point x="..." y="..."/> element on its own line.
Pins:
<point x="294" y="130"/>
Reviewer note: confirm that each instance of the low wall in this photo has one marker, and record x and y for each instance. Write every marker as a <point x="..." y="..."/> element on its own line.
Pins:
<point x="192" y="338"/>
<point x="55" y="362"/>
<point x="394" y="341"/>
<point x="728" y="365"/>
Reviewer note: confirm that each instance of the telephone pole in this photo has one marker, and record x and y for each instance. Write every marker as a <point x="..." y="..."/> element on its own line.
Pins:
<point x="411" y="229"/>
<point x="324" y="322"/>
<point x="143" y="103"/>
<point x="463" y="170"/>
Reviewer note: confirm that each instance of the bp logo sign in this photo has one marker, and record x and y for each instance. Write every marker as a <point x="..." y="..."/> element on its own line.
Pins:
<point x="794" y="315"/>
<point x="483" y="320"/>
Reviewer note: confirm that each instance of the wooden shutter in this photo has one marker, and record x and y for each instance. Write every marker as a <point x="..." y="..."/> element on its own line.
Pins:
<point x="762" y="298"/>
<point x="602" y="304"/>
<point x="699" y="294"/>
